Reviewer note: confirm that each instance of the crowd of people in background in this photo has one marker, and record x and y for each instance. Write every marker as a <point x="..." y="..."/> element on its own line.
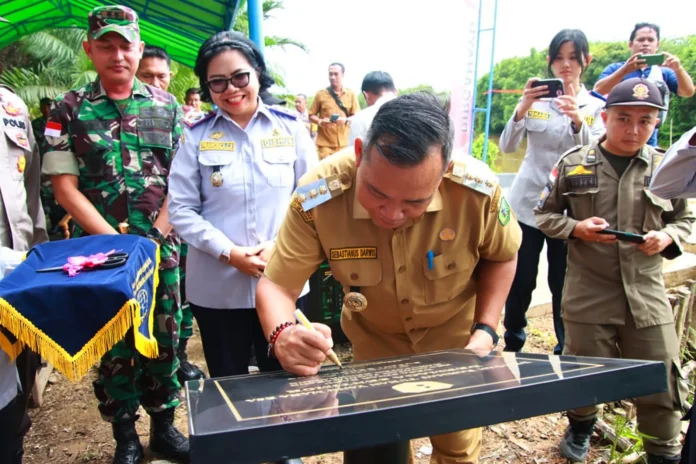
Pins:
<point x="244" y="199"/>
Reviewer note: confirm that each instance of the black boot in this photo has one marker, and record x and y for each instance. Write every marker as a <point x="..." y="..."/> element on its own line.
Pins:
<point x="575" y="445"/>
<point x="165" y="439"/>
<point x="187" y="371"/>
<point x="128" y="447"/>
<point x="654" y="459"/>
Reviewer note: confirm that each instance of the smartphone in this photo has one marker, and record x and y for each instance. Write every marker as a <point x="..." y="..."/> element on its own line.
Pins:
<point x="556" y="88"/>
<point x="333" y="118"/>
<point x="653" y="60"/>
<point x="623" y="236"/>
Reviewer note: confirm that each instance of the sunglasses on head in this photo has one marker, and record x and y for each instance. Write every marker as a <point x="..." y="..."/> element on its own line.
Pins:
<point x="220" y="84"/>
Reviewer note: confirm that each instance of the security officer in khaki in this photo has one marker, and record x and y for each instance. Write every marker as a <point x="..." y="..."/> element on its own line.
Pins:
<point x="614" y="301"/>
<point x="425" y="249"/>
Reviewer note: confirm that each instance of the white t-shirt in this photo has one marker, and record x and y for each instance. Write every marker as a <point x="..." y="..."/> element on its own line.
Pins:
<point x="360" y="122"/>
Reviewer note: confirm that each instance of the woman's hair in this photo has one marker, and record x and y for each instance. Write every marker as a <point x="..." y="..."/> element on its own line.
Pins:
<point x="579" y="40"/>
<point x="222" y="42"/>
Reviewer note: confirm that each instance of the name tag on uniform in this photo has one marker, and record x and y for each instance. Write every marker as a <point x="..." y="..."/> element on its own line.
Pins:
<point x="272" y="142"/>
<point x="342" y="254"/>
<point x="535" y="114"/>
<point x="589" y="120"/>
<point x="208" y="145"/>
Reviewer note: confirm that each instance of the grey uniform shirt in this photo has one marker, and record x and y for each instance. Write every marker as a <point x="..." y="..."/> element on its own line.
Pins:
<point x="549" y="135"/>
<point x="676" y="175"/>
<point x="22" y="222"/>
<point x="260" y="167"/>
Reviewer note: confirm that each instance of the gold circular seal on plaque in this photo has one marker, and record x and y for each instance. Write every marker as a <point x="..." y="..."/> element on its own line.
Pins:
<point x="323" y="190"/>
<point x="355" y="301"/>
<point x="302" y="197"/>
<point x="313" y="193"/>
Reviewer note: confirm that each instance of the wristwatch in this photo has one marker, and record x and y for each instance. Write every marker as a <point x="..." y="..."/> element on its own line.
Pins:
<point x="155" y="234"/>
<point x="488" y="329"/>
<point x="224" y="257"/>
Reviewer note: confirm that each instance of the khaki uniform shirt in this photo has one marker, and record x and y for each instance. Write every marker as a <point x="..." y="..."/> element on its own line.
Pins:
<point x="603" y="281"/>
<point x="333" y="135"/>
<point x="22" y="221"/>
<point x="408" y="303"/>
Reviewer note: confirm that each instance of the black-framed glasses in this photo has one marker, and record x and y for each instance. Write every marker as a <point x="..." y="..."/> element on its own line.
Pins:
<point x="220" y="84"/>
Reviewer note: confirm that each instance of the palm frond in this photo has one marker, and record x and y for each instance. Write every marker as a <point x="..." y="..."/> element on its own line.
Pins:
<point x="282" y="42"/>
<point x="49" y="46"/>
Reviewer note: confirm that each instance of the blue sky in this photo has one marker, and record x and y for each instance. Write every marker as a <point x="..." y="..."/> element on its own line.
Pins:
<point x="419" y="45"/>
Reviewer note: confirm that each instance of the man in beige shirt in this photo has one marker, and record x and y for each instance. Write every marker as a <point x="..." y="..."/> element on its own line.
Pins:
<point x="405" y="232"/>
<point x="330" y="110"/>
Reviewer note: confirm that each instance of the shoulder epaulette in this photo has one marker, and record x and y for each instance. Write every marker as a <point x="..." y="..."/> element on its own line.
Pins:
<point x="474" y="174"/>
<point x="576" y="149"/>
<point x="192" y="122"/>
<point x="282" y="112"/>
<point x="318" y="192"/>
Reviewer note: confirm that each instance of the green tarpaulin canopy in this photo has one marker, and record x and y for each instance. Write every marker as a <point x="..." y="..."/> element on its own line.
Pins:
<point x="178" y="26"/>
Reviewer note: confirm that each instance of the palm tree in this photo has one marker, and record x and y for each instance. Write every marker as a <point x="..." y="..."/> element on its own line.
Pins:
<point x="59" y="63"/>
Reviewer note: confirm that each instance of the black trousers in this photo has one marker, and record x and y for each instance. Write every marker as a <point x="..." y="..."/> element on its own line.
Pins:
<point x="520" y="296"/>
<point x="14" y="420"/>
<point x="689" y="450"/>
<point x="229" y="335"/>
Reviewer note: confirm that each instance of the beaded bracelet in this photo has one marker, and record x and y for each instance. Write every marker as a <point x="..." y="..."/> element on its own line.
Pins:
<point x="274" y="336"/>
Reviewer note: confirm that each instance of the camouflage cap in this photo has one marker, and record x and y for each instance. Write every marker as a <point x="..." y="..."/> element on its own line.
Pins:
<point x="635" y="92"/>
<point x="114" y="18"/>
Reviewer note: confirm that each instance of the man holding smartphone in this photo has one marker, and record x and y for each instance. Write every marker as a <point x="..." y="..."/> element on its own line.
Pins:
<point x="663" y="68"/>
<point x="330" y="110"/>
<point x="614" y="300"/>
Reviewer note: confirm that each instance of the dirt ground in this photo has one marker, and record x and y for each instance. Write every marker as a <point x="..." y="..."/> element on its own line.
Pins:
<point x="68" y="428"/>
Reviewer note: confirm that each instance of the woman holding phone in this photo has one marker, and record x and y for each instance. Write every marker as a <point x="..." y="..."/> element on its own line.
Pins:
<point x="554" y="116"/>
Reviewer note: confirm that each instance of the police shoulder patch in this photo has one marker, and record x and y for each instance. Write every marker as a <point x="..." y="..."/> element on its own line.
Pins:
<point x="474" y="174"/>
<point x="282" y="113"/>
<point x="198" y="118"/>
<point x="318" y="192"/>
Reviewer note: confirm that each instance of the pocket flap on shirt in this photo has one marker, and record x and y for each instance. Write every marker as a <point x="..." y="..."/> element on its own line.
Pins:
<point x="279" y="155"/>
<point x="446" y="264"/>
<point x="665" y="205"/>
<point x="215" y="158"/>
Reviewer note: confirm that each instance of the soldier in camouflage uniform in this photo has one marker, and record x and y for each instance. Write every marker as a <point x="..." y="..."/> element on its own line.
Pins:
<point x="112" y="143"/>
<point x="155" y="70"/>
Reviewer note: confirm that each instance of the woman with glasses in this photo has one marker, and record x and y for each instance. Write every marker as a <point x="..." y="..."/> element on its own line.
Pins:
<point x="552" y="127"/>
<point x="230" y="186"/>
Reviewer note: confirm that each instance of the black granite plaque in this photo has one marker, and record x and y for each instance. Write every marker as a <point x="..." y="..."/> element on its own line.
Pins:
<point x="265" y="417"/>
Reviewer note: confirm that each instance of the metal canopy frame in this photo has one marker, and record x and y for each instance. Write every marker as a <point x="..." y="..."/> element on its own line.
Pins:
<point x="178" y="26"/>
<point x="489" y="97"/>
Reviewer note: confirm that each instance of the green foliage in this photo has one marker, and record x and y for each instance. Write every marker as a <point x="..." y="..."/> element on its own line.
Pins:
<point x="58" y="64"/>
<point x="424" y="88"/>
<point x="184" y="79"/>
<point x="492" y="154"/>
<point x="513" y="73"/>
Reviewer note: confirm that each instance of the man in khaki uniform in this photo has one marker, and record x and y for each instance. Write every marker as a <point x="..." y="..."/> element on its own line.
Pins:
<point x="22" y="225"/>
<point x="330" y="110"/>
<point x="406" y="243"/>
<point x="614" y="301"/>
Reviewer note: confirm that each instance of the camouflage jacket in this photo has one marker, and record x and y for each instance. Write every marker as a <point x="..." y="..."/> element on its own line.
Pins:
<point x="122" y="160"/>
